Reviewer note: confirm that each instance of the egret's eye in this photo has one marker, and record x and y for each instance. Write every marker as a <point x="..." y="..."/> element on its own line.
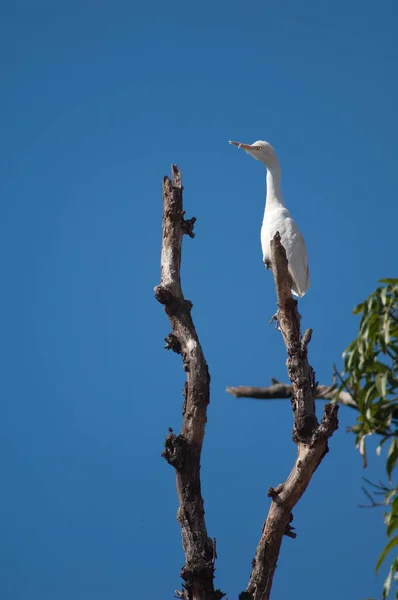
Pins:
<point x="259" y="147"/>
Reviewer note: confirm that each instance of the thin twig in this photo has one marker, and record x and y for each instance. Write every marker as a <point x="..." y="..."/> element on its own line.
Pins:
<point x="282" y="391"/>
<point x="311" y="437"/>
<point x="183" y="451"/>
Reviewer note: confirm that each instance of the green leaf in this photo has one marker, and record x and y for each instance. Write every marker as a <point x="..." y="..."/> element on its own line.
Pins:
<point x="369" y="397"/>
<point x="352" y="360"/>
<point x="383" y="295"/>
<point x="392" y="457"/>
<point x="390" y="494"/>
<point x="374" y="327"/>
<point x="358" y="309"/>
<point x="391" y="544"/>
<point x="387" y="583"/>
<point x="390" y="280"/>
<point x="362" y="450"/>
<point x="395" y="566"/>
<point x="381" y="384"/>
<point x="387" y="331"/>
<point x="364" y="395"/>
<point x="383" y="441"/>
<point x="392" y="525"/>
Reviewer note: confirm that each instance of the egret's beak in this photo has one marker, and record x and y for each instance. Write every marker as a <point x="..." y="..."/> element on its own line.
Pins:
<point x="244" y="146"/>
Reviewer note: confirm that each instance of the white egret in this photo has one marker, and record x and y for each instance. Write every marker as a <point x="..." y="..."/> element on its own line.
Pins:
<point x="278" y="218"/>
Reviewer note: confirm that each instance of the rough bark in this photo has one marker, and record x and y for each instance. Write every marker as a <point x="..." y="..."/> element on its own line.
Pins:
<point x="282" y="391"/>
<point x="311" y="437"/>
<point x="183" y="451"/>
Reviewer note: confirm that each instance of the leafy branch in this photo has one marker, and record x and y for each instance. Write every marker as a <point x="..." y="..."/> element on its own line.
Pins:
<point x="370" y="376"/>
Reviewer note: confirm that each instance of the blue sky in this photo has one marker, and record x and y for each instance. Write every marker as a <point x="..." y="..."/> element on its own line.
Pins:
<point x="99" y="98"/>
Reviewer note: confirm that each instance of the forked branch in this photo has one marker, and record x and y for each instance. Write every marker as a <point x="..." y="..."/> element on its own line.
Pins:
<point x="311" y="437"/>
<point x="183" y="451"/>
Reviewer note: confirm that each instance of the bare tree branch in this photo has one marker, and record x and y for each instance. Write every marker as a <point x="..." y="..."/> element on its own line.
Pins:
<point x="281" y="391"/>
<point x="311" y="437"/>
<point x="183" y="451"/>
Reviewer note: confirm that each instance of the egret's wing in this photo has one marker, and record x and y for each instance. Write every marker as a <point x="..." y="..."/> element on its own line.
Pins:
<point x="296" y="252"/>
<point x="293" y="242"/>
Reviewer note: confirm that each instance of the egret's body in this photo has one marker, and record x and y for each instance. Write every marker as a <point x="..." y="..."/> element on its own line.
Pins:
<point x="278" y="218"/>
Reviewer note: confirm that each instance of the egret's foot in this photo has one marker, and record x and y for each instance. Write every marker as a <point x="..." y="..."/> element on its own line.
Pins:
<point x="275" y="318"/>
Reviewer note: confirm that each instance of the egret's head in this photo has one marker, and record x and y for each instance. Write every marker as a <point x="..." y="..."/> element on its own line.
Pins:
<point x="263" y="151"/>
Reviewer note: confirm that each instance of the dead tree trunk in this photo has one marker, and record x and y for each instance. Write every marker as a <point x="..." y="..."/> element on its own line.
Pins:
<point x="183" y="451"/>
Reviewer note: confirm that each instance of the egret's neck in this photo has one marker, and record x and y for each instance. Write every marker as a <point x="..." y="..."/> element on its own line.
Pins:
<point x="274" y="193"/>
